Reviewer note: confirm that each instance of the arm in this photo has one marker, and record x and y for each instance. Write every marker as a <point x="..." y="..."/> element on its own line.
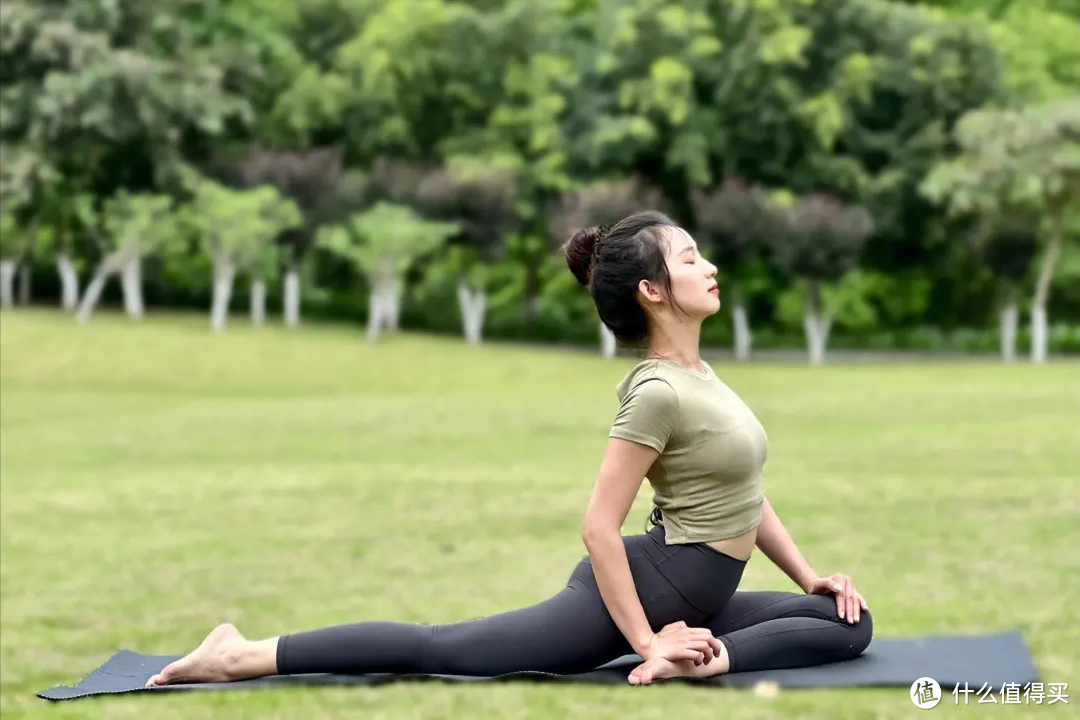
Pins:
<point x="778" y="546"/>
<point x="776" y="543"/>
<point x="621" y="473"/>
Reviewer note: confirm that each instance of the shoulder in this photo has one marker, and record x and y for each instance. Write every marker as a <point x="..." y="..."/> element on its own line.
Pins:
<point x="647" y="381"/>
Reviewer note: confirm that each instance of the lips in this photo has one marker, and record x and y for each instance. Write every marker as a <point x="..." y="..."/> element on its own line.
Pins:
<point x="714" y="289"/>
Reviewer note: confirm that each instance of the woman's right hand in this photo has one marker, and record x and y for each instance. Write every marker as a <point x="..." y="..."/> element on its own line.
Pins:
<point x="678" y="641"/>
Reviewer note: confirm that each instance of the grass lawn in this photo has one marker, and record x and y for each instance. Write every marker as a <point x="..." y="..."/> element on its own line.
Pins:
<point x="158" y="480"/>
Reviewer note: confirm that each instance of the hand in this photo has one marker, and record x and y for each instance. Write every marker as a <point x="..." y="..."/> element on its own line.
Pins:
<point x="677" y="642"/>
<point x="848" y="601"/>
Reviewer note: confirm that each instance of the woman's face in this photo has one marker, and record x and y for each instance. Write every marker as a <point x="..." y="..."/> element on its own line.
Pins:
<point x="693" y="278"/>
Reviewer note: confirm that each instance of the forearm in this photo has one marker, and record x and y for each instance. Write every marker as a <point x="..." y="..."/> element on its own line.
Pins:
<point x="612" y="571"/>
<point x="773" y="540"/>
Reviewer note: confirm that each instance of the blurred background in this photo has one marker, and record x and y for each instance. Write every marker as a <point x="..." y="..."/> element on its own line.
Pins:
<point x="206" y="206"/>
<point x="868" y="174"/>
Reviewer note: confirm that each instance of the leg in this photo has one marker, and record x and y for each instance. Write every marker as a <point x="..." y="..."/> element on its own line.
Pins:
<point x="570" y="632"/>
<point x="768" y="631"/>
<point x="773" y="630"/>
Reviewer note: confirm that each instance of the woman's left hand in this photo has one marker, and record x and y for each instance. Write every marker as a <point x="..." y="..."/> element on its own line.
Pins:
<point x="848" y="600"/>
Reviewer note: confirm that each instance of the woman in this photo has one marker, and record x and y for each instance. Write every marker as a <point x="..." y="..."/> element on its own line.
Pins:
<point x="668" y="595"/>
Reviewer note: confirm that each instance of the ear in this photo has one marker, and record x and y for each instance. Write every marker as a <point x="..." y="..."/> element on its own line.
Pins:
<point x="650" y="291"/>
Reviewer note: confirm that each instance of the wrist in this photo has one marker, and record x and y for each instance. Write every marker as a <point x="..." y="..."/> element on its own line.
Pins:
<point x="805" y="580"/>
<point x="643" y="643"/>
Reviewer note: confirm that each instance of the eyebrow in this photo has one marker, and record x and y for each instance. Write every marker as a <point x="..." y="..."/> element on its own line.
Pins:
<point x="688" y="247"/>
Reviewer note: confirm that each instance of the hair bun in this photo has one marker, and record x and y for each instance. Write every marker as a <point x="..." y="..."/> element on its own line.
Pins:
<point x="580" y="251"/>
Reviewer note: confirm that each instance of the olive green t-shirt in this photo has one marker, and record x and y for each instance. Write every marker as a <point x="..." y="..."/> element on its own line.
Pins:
<point x="707" y="480"/>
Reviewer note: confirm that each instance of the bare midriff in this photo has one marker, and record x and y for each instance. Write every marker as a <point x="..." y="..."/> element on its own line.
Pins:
<point x="739" y="547"/>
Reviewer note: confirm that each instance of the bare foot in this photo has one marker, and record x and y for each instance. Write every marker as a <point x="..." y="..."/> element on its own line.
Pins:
<point x="661" y="668"/>
<point x="210" y="662"/>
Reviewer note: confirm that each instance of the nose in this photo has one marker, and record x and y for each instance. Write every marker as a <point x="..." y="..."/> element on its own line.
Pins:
<point x="712" y="271"/>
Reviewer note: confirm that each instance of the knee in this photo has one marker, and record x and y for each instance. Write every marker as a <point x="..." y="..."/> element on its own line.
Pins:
<point x="862" y="633"/>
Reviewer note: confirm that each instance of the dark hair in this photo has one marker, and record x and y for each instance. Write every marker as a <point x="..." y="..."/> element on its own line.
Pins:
<point x="611" y="262"/>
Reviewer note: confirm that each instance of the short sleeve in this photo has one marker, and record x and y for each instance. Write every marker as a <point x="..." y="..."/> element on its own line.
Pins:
<point x="649" y="414"/>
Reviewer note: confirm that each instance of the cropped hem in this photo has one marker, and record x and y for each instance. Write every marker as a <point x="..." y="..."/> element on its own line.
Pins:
<point x="727" y="535"/>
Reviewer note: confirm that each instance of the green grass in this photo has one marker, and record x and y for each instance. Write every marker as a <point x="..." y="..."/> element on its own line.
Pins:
<point x="157" y="480"/>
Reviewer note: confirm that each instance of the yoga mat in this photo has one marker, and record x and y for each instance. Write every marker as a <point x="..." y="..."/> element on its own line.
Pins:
<point x="993" y="659"/>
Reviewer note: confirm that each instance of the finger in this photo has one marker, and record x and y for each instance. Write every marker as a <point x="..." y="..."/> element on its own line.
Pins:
<point x="839" y="604"/>
<point x="856" y="603"/>
<point x="863" y="601"/>
<point x="716" y="645"/>
<point x="849" y="591"/>
<point x="688" y="654"/>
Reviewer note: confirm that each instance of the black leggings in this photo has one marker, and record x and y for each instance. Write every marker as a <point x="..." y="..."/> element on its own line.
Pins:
<point x="573" y="631"/>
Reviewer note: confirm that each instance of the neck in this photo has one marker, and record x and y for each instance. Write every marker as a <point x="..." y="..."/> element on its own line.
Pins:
<point x="679" y="343"/>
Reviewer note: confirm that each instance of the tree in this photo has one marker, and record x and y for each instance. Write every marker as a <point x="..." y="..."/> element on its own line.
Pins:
<point x="1007" y="248"/>
<point x="17" y="171"/>
<point x="308" y="178"/>
<point x="481" y="201"/>
<point x="111" y="92"/>
<point x="237" y="228"/>
<point x="1024" y="162"/>
<point x="820" y="241"/>
<point x="381" y="243"/>
<point x="603" y="202"/>
<point x="132" y="226"/>
<point x="733" y="223"/>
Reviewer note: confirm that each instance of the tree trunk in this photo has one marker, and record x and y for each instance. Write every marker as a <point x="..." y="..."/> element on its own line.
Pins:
<point x="292" y="296"/>
<point x="258" y="301"/>
<point x="1009" y="317"/>
<point x="131" y="282"/>
<point x="109" y="265"/>
<point x="224" y="272"/>
<point x="741" y="323"/>
<point x="24" y="285"/>
<point x="608" y="345"/>
<point x="472" y="304"/>
<point x="743" y="339"/>
<point x="377" y="310"/>
<point x="69" y="281"/>
<point x="816" y="326"/>
<point x="1042" y="293"/>
<point x="7" y="283"/>
<point x="394" y="294"/>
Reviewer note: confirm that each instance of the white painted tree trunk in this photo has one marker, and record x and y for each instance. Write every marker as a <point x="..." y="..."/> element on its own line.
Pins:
<point x="24" y="285"/>
<point x="131" y="282"/>
<point x="816" y="325"/>
<point x="473" y="304"/>
<point x="292" y="297"/>
<point x="1042" y="294"/>
<point x="1009" y="317"/>
<point x="1038" y="335"/>
<point x="7" y="283"/>
<point x="393" y="305"/>
<point x="109" y="265"/>
<point x="258" y="301"/>
<point x="743" y="339"/>
<point x="384" y="310"/>
<point x="69" y="281"/>
<point x="224" y="272"/>
<point x="607" y="342"/>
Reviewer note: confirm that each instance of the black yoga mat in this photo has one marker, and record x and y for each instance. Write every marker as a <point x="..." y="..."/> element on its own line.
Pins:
<point x="991" y="659"/>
